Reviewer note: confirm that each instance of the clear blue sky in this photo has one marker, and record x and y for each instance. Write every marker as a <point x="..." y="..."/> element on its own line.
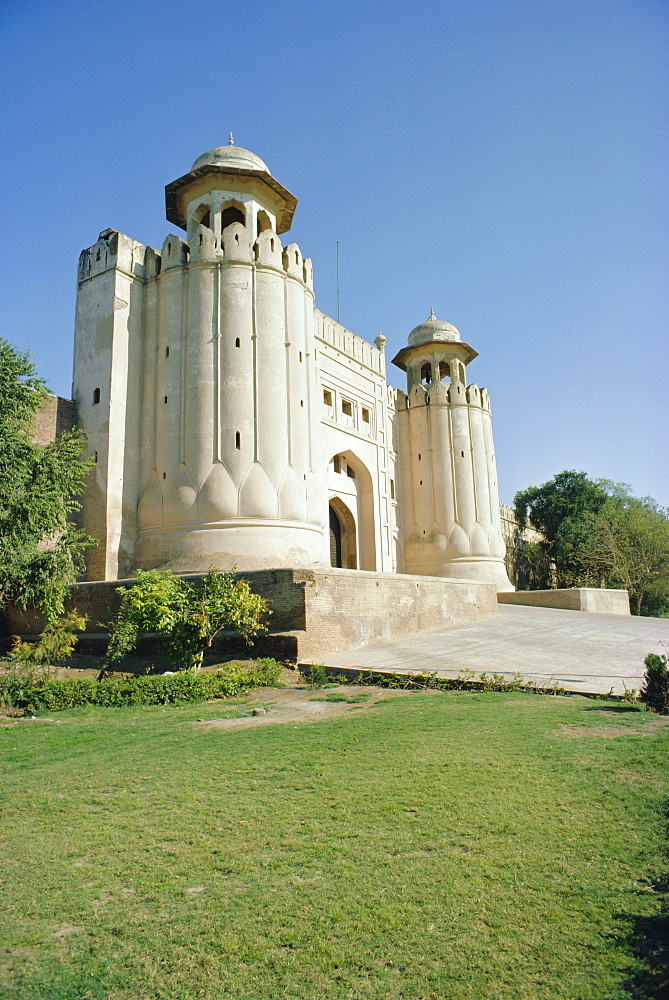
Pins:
<point x="504" y="161"/>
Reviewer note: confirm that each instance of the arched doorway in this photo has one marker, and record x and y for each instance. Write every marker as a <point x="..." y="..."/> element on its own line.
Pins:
<point x="335" y="539"/>
<point x="351" y="497"/>
<point x="343" y="554"/>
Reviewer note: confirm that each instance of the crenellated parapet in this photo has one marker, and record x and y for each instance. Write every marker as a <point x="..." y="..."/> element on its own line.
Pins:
<point x="349" y="344"/>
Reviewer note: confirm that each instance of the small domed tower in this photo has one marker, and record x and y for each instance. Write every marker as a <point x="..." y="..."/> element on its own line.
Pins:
<point x="449" y="479"/>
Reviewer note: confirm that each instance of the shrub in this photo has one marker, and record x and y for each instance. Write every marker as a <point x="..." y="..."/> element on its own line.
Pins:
<point x="20" y="692"/>
<point x="188" y="618"/>
<point x="655" y="691"/>
<point x="54" y="646"/>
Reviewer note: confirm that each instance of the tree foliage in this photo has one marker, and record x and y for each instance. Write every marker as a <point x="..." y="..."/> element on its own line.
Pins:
<point x="557" y="509"/>
<point x="655" y="690"/>
<point x="41" y="549"/>
<point x="597" y="534"/>
<point x="626" y="545"/>
<point x="188" y="618"/>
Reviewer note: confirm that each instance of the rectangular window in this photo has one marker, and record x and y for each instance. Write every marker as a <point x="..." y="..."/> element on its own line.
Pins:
<point x="392" y="489"/>
<point x="347" y="407"/>
<point x="365" y="415"/>
<point x="327" y="397"/>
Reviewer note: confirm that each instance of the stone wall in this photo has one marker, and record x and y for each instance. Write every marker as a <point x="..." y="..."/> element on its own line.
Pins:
<point x="54" y="416"/>
<point x="605" y="602"/>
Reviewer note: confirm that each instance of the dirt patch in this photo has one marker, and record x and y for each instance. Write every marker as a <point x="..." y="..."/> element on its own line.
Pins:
<point x="300" y="703"/>
<point x="610" y="732"/>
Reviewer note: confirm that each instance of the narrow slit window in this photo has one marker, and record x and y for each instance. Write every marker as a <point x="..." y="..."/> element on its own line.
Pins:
<point x="238" y="440"/>
<point x="167" y="352"/>
<point x="392" y="489"/>
<point x="164" y="399"/>
<point x="96" y="396"/>
<point x="237" y="342"/>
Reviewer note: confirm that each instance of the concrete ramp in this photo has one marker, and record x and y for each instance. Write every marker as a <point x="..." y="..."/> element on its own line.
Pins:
<point x="578" y="650"/>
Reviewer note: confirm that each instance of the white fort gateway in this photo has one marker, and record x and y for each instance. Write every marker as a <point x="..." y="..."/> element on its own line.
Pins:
<point x="234" y="424"/>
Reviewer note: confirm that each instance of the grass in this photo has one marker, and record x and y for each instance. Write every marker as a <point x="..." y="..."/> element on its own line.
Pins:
<point x="437" y="846"/>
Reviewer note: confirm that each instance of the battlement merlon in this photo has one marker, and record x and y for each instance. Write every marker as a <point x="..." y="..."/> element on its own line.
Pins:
<point x="115" y="250"/>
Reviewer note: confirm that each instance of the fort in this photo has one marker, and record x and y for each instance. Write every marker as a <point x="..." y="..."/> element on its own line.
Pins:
<point x="233" y="423"/>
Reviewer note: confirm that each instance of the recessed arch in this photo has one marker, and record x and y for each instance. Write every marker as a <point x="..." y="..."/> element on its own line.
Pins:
<point x="350" y="484"/>
<point x="202" y="216"/>
<point x="343" y="547"/>
<point x="426" y="373"/>
<point x="232" y="211"/>
<point x="263" y="223"/>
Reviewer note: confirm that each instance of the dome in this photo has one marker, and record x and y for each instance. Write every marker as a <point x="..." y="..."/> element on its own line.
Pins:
<point x="231" y="156"/>
<point x="433" y="329"/>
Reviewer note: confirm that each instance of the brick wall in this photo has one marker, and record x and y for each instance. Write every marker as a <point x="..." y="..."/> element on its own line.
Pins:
<point x="313" y="612"/>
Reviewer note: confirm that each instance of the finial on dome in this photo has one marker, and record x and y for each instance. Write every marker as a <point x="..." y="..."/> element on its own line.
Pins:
<point x="231" y="141"/>
<point x="431" y="316"/>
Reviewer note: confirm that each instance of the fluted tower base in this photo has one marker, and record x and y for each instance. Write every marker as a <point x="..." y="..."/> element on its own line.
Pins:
<point x="248" y="544"/>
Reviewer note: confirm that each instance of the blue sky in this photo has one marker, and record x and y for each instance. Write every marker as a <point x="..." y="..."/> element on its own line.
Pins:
<point x="504" y="161"/>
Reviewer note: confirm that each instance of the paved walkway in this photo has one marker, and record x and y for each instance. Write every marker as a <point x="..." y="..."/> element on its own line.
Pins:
<point x="577" y="650"/>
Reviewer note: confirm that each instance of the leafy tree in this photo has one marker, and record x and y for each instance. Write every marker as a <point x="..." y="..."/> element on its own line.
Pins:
<point x="188" y="618"/>
<point x="558" y="510"/>
<point x="41" y="549"/>
<point x="626" y="544"/>
<point x="655" y="690"/>
<point x="528" y="564"/>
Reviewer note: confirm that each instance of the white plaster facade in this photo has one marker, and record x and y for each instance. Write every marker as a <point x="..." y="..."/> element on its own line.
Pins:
<point x="233" y="423"/>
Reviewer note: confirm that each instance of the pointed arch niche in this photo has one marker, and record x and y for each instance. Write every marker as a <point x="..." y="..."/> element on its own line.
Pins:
<point x="351" y="500"/>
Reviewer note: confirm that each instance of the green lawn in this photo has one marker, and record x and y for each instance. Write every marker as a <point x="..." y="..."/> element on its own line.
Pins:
<point x="436" y="845"/>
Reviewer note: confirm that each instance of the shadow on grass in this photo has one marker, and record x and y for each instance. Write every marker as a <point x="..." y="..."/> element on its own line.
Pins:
<point x="647" y="938"/>
<point x="621" y="709"/>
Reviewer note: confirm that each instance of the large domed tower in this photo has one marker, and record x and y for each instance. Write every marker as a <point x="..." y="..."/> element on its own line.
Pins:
<point x="231" y="476"/>
<point x="450" y="503"/>
<point x="208" y="374"/>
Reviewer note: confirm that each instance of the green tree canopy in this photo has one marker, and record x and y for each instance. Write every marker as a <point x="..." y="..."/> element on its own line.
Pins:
<point x="41" y="549"/>
<point x="597" y="534"/>
<point x="626" y="544"/>
<point x="558" y="510"/>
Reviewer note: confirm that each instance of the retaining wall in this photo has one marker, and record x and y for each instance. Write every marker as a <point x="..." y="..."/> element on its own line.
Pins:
<point x="313" y="612"/>
<point x="599" y="600"/>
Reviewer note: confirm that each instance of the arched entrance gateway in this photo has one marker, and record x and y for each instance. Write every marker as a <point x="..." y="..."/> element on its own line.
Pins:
<point x="343" y="547"/>
<point x="351" y="503"/>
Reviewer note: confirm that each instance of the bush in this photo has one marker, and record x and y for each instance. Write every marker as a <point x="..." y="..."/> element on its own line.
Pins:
<point x="655" y="691"/>
<point x="187" y="617"/>
<point x="54" y="646"/>
<point x="20" y="692"/>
